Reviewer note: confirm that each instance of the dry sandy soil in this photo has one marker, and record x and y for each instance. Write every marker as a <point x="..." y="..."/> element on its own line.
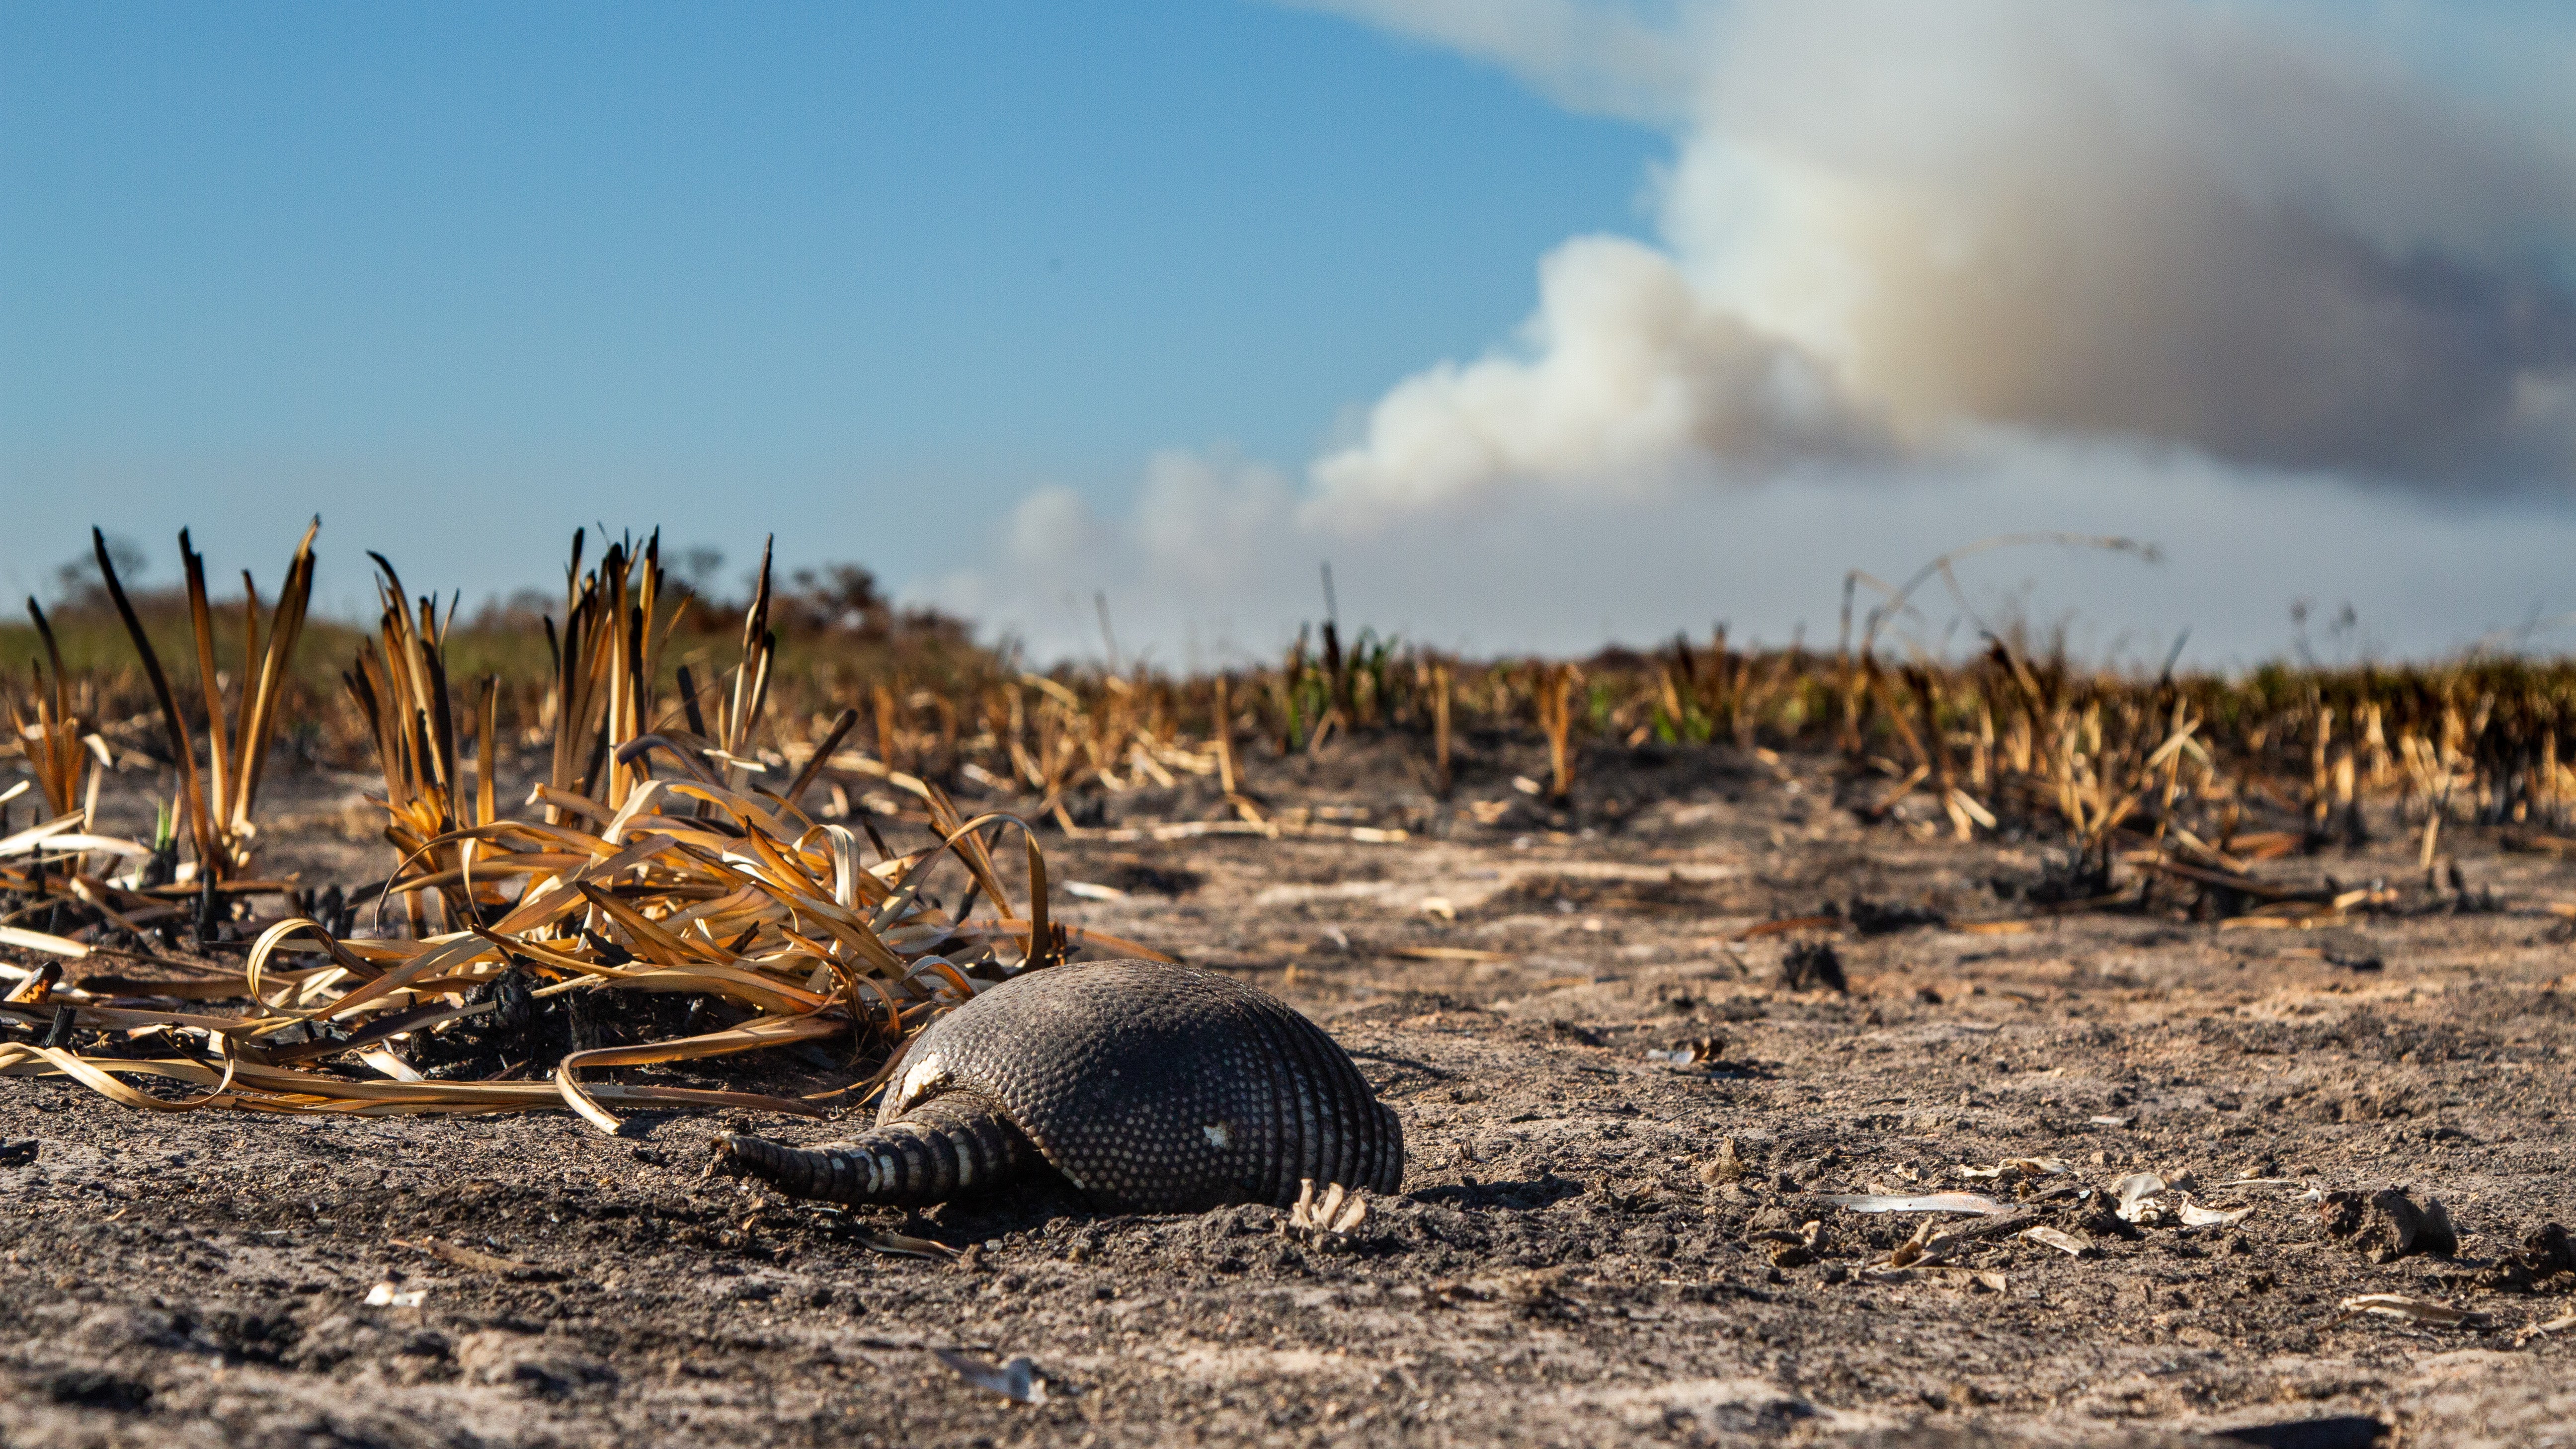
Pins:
<point x="1578" y="1255"/>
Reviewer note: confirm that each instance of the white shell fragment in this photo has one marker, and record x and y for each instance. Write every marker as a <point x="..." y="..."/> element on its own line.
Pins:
<point x="2012" y="1167"/>
<point x="2195" y="1216"/>
<point x="1930" y="1202"/>
<point x="2136" y="1195"/>
<point x="1018" y="1380"/>
<point x="2064" y="1242"/>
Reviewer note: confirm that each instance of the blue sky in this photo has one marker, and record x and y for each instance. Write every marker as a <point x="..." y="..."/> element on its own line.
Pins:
<point x="1547" y="321"/>
<point x="463" y="276"/>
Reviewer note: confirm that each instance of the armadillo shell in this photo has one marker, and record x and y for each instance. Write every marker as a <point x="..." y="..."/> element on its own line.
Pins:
<point x="1160" y="1088"/>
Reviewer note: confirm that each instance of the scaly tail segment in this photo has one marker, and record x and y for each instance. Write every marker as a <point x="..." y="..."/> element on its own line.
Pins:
<point x="954" y="1143"/>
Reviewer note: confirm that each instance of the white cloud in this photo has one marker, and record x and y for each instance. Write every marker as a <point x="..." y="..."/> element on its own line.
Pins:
<point x="1627" y="374"/>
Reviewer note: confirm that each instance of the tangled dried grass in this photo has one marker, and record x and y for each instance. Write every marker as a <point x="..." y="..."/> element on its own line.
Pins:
<point x="699" y="884"/>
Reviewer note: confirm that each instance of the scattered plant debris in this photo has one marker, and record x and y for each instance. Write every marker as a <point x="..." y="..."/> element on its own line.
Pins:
<point x="2388" y="1224"/>
<point x="2546" y="1263"/>
<point x="479" y="1261"/>
<point x="2067" y="1243"/>
<point x="1876" y="918"/>
<point x="2562" y="1323"/>
<point x="1727" y="1166"/>
<point x="2408" y="1307"/>
<point x="2016" y="1167"/>
<point x="1697" y="1052"/>
<point x="1138" y="878"/>
<point x="1811" y="965"/>
<point x="1019" y="1380"/>
<point x="1793" y="1249"/>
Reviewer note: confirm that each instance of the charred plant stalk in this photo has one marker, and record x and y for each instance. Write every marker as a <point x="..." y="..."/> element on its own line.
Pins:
<point x="191" y="793"/>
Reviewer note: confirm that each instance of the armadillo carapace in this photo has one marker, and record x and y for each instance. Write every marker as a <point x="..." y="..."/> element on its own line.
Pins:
<point x="1151" y="1087"/>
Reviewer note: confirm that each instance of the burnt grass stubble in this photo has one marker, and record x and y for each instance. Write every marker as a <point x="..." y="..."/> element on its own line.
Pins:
<point x="1576" y="1256"/>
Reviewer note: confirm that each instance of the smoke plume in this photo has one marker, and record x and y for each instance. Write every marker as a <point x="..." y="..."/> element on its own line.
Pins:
<point x="2215" y="228"/>
<point x="1910" y="245"/>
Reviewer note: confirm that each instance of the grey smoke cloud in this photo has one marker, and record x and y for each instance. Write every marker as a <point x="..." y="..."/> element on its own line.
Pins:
<point x="1638" y="62"/>
<point x="2239" y="230"/>
<point x="2233" y="277"/>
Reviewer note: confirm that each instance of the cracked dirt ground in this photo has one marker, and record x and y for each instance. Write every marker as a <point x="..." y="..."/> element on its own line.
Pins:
<point x="1577" y="1256"/>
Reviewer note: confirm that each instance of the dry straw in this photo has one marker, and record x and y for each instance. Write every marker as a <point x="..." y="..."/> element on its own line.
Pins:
<point x="615" y="880"/>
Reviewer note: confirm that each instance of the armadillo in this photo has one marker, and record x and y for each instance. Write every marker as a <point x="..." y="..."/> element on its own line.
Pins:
<point x="1149" y="1087"/>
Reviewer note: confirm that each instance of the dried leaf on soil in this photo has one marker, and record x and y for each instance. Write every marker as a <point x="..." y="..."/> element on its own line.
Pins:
<point x="2067" y="1243"/>
<point x="2194" y="1215"/>
<point x="2400" y="1305"/>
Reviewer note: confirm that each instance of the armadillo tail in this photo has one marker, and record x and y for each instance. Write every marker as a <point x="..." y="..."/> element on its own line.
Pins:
<point x="952" y="1144"/>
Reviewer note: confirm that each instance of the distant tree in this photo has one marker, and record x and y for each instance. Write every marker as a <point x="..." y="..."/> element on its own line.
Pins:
<point x="79" y="585"/>
<point x="839" y="596"/>
<point x="699" y="565"/>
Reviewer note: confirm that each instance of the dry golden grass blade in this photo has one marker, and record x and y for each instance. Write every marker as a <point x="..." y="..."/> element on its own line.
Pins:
<point x="100" y="1078"/>
<point x="439" y="957"/>
<point x="201" y="622"/>
<point x="861" y="942"/>
<point x="960" y="837"/>
<point x="643" y="935"/>
<point x="53" y="748"/>
<point x="35" y="835"/>
<point x="758" y="1036"/>
<point x="749" y="988"/>
<point x="1042" y="939"/>
<point x="1114" y="945"/>
<point x="841" y="727"/>
<point x="751" y="677"/>
<point x="1794" y="923"/>
<point x="237" y="759"/>
<point x="26" y="940"/>
<point x="564" y="895"/>
<point x="114" y="1018"/>
<point x="250" y="1087"/>
<point x="486" y="766"/>
<point x="1556" y="720"/>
